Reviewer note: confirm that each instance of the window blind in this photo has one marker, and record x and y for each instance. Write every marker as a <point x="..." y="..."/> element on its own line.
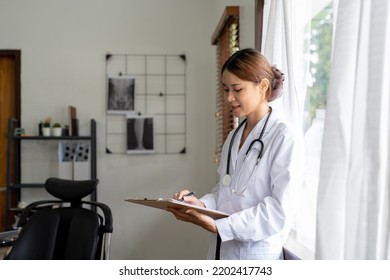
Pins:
<point x="226" y="39"/>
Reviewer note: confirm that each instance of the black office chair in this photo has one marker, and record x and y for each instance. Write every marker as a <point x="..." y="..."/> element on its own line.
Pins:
<point x="64" y="229"/>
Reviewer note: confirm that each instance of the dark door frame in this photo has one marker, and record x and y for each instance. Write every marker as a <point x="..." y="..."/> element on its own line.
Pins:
<point x="16" y="55"/>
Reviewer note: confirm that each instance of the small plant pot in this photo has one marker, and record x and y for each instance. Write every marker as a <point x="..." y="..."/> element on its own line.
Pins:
<point x="46" y="131"/>
<point x="57" y="131"/>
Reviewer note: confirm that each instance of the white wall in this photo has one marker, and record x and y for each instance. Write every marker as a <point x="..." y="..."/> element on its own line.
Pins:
<point x="63" y="46"/>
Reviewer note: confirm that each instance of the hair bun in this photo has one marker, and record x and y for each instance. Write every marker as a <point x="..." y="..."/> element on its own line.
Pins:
<point x="277" y="83"/>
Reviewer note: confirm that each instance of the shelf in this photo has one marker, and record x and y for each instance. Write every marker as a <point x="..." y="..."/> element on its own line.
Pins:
<point x="13" y="176"/>
<point x="52" y="137"/>
<point x="27" y="185"/>
<point x="16" y="209"/>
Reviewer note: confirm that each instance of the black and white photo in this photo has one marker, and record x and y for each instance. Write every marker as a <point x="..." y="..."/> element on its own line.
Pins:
<point x="140" y="134"/>
<point x="120" y="94"/>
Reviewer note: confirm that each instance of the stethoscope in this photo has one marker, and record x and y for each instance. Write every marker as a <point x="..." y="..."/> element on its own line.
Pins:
<point x="227" y="178"/>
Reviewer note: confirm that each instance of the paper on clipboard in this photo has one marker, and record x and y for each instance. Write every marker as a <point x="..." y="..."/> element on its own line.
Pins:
<point x="165" y="203"/>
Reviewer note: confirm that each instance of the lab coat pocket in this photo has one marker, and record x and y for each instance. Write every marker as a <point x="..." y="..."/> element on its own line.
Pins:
<point x="262" y="252"/>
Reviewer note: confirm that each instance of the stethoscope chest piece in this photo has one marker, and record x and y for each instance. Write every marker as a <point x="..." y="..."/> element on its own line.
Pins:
<point x="226" y="180"/>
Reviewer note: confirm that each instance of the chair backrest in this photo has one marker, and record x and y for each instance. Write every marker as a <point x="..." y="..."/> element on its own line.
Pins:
<point x="67" y="231"/>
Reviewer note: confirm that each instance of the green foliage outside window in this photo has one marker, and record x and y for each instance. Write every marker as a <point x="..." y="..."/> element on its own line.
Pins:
<point x="320" y="59"/>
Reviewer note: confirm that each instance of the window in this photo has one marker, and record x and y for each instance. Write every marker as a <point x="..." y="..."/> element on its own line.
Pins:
<point x="319" y="36"/>
<point x="298" y="38"/>
<point x="310" y="55"/>
<point x="318" y="39"/>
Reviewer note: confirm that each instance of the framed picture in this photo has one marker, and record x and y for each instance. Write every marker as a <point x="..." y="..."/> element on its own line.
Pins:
<point x="140" y="134"/>
<point x="120" y="98"/>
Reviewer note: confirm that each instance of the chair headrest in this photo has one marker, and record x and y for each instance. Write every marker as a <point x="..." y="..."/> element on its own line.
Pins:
<point x="70" y="190"/>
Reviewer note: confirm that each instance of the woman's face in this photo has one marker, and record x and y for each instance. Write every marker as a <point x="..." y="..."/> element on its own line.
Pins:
<point x="244" y="97"/>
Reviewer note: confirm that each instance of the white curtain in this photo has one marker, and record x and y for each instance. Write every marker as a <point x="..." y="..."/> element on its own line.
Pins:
<point x="283" y="45"/>
<point x="353" y="195"/>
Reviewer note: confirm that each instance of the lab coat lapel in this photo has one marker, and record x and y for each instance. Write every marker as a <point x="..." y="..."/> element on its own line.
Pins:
<point x="248" y="141"/>
<point x="255" y="134"/>
<point x="238" y="154"/>
<point x="235" y="152"/>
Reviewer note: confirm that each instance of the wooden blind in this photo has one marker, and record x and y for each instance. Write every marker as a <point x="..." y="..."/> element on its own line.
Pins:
<point x="226" y="39"/>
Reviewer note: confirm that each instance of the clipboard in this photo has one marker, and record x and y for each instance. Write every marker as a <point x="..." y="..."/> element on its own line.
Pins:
<point x="163" y="204"/>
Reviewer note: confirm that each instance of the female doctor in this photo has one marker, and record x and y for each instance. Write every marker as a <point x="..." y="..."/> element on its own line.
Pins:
<point x="258" y="169"/>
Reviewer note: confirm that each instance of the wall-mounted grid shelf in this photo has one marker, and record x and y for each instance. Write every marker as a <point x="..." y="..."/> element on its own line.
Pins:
<point x="159" y="91"/>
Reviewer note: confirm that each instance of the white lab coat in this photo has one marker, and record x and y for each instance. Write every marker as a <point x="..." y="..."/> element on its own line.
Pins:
<point x="261" y="216"/>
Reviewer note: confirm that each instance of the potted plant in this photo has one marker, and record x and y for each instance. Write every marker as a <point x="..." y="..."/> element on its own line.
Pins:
<point x="46" y="128"/>
<point x="57" y="129"/>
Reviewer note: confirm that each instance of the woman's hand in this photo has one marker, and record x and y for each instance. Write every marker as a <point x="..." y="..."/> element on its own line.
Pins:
<point x="188" y="199"/>
<point x="193" y="216"/>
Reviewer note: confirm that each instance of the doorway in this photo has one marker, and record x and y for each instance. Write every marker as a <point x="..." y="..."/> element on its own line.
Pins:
<point x="10" y="88"/>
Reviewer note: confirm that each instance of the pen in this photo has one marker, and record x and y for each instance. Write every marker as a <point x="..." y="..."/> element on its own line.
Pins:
<point x="188" y="194"/>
